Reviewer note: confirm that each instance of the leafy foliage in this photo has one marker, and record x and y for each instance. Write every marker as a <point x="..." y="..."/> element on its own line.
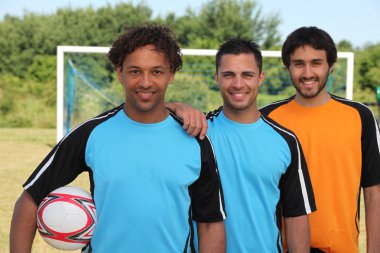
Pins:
<point x="28" y="47"/>
<point x="368" y="66"/>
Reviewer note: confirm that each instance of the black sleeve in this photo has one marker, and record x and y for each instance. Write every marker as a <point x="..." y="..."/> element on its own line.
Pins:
<point x="206" y="193"/>
<point x="370" y="148"/>
<point x="60" y="167"/>
<point x="296" y="191"/>
<point x="297" y="197"/>
<point x="66" y="161"/>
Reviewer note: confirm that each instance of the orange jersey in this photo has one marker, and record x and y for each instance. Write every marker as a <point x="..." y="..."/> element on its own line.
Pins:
<point x="340" y="140"/>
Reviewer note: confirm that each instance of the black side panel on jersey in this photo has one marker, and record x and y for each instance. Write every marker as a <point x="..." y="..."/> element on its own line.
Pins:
<point x="65" y="161"/>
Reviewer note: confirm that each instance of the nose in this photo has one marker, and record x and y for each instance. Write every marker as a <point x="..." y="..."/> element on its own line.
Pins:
<point x="146" y="80"/>
<point x="237" y="82"/>
<point x="307" y="71"/>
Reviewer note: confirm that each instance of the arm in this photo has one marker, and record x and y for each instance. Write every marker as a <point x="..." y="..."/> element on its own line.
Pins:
<point x="24" y="224"/>
<point x="211" y="237"/>
<point x="372" y="211"/>
<point x="297" y="234"/>
<point x="194" y="121"/>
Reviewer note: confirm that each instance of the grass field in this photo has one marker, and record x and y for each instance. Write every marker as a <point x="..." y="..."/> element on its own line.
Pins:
<point x="20" y="152"/>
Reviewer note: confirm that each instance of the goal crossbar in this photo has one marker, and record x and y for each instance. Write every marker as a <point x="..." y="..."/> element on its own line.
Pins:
<point x="61" y="50"/>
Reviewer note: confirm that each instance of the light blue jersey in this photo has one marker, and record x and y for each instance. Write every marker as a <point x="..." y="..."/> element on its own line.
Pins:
<point x="262" y="170"/>
<point x="149" y="181"/>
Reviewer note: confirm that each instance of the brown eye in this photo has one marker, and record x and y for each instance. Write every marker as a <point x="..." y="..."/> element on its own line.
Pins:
<point x="134" y="72"/>
<point x="248" y="75"/>
<point x="157" y="72"/>
<point x="227" y="75"/>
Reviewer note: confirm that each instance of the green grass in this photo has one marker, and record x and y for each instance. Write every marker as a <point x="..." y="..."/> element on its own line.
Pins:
<point x="21" y="150"/>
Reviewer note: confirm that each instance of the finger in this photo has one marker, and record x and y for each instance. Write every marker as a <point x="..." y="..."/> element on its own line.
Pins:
<point x="192" y="124"/>
<point x="186" y="123"/>
<point x="203" y="133"/>
<point x="197" y="125"/>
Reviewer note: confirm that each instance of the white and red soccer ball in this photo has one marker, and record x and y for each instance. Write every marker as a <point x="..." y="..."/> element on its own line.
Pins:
<point x="66" y="218"/>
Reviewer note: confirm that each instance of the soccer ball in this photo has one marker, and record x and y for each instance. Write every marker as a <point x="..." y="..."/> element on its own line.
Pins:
<point x="66" y="218"/>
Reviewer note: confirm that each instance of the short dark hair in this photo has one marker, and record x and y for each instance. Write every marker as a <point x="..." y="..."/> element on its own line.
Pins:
<point x="161" y="37"/>
<point x="239" y="46"/>
<point x="311" y="36"/>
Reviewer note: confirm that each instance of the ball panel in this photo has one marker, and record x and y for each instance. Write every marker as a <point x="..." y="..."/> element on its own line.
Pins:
<point x="66" y="218"/>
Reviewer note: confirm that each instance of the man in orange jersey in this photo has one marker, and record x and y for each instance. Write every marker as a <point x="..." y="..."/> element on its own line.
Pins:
<point x="340" y="139"/>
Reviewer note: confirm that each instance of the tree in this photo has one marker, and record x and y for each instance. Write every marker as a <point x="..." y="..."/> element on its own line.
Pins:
<point x="345" y="46"/>
<point x="28" y="49"/>
<point x="368" y="66"/>
<point x="219" y="20"/>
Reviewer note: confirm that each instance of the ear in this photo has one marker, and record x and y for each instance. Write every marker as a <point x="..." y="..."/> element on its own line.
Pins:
<point x="216" y="76"/>
<point x="331" y="69"/>
<point x="119" y="72"/>
<point x="261" y="78"/>
<point x="171" y="79"/>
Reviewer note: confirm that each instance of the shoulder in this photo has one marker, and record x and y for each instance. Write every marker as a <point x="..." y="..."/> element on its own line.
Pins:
<point x="85" y="128"/>
<point x="283" y="131"/>
<point x="285" y="134"/>
<point x="266" y="110"/>
<point x="215" y="113"/>
<point x="204" y="144"/>
<point x="363" y="110"/>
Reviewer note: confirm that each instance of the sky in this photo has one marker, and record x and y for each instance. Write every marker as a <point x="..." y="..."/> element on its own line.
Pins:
<point x="352" y="20"/>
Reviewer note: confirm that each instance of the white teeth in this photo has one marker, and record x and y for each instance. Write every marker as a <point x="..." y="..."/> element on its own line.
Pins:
<point x="145" y="95"/>
<point x="308" y="81"/>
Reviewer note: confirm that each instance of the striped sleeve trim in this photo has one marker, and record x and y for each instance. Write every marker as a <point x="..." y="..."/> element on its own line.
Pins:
<point x="221" y="205"/>
<point x="51" y="159"/>
<point x="308" y="209"/>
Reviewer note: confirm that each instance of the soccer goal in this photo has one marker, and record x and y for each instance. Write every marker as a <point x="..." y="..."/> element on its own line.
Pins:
<point x="87" y="83"/>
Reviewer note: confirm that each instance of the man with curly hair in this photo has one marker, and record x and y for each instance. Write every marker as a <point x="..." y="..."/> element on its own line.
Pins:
<point x="149" y="179"/>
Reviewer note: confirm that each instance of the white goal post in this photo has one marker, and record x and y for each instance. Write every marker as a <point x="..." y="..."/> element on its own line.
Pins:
<point x="61" y="50"/>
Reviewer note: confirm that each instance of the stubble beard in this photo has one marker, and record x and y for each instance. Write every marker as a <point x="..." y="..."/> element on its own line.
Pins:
<point x="311" y="95"/>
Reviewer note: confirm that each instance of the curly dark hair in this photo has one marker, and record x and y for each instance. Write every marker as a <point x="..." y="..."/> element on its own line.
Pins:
<point x="162" y="37"/>
<point x="311" y="36"/>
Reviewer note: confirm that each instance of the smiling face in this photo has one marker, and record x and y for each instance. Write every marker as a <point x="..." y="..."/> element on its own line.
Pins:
<point x="239" y="80"/>
<point x="145" y="75"/>
<point x="309" y="71"/>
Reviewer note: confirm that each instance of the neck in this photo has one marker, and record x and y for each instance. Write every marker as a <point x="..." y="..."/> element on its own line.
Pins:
<point x="321" y="99"/>
<point x="242" y="116"/>
<point x="147" y="117"/>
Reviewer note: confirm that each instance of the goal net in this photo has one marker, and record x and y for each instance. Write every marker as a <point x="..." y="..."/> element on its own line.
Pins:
<point x="87" y="84"/>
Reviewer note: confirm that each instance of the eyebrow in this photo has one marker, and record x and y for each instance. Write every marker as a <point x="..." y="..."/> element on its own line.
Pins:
<point x="313" y="60"/>
<point x="243" y="73"/>
<point x="249" y="72"/>
<point x="138" y="67"/>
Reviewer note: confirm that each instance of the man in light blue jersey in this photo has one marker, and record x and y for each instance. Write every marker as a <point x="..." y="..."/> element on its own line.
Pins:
<point x="261" y="163"/>
<point x="149" y="179"/>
